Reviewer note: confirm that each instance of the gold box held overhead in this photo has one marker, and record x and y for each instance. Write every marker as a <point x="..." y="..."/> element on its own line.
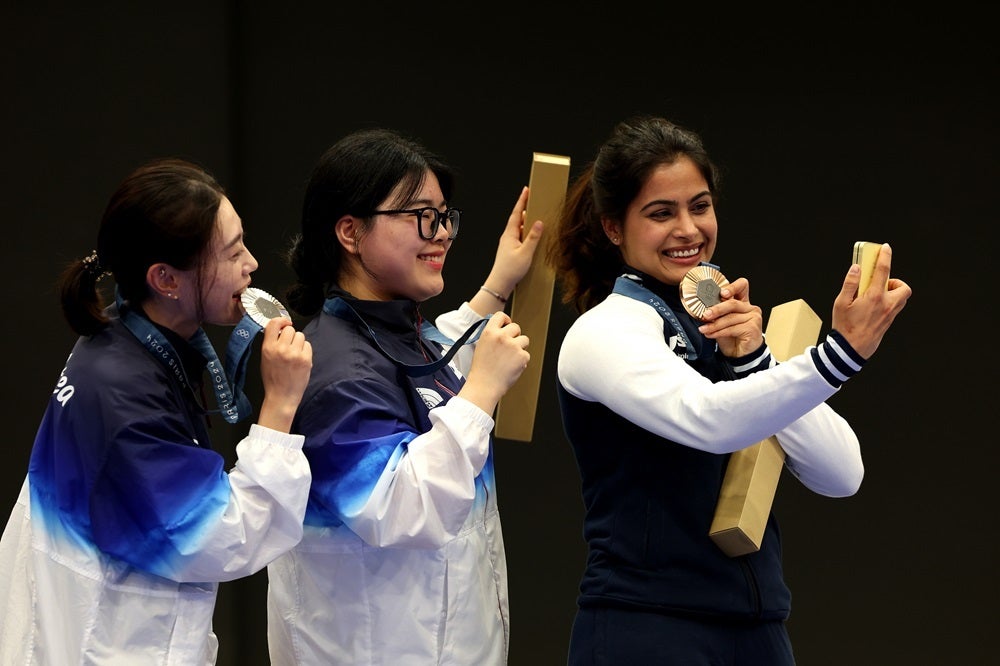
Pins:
<point x="531" y="303"/>
<point x="752" y="473"/>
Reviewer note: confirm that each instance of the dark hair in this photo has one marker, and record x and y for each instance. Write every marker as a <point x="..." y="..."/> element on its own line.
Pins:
<point x="585" y="261"/>
<point x="164" y="211"/>
<point x="353" y="177"/>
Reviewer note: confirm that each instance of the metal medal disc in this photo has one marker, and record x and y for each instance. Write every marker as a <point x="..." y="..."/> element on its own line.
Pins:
<point x="700" y="289"/>
<point x="262" y="306"/>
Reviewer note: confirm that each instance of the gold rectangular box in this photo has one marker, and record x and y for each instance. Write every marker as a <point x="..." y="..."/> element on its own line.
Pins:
<point x="746" y="497"/>
<point x="752" y="473"/>
<point x="531" y="306"/>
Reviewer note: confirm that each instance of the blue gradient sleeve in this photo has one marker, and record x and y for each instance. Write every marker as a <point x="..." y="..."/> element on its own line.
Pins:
<point x="148" y="503"/>
<point x="152" y="504"/>
<point x="355" y="433"/>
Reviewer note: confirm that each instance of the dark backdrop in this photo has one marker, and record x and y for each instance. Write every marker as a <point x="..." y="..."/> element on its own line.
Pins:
<point x="833" y="124"/>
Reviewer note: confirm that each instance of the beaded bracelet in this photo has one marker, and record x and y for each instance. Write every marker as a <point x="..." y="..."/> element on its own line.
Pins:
<point x="493" y="294"/>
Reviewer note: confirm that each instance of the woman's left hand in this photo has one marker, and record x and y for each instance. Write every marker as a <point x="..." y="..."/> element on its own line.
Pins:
<point x="734" y="322"/>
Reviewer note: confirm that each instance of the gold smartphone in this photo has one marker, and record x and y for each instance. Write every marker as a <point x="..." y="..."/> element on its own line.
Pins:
<point x="866" y="254"/>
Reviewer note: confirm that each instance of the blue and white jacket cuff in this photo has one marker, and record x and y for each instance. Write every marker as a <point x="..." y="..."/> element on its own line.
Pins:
<point x="760" y="359"/>
<point x="836" y="360"/>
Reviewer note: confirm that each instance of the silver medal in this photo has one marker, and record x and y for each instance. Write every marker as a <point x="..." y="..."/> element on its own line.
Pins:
<point x="262" y="306"/>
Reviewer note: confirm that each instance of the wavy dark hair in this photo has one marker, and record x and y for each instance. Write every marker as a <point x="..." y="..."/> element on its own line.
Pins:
<point x="586" y="263"/>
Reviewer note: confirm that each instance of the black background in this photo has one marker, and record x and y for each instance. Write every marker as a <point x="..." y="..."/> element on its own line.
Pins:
<point x="832" y="124"/>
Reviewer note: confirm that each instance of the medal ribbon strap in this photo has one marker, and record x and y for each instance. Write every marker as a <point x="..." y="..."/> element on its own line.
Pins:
<point x="238" y="351"/>
<point x="158" y="345"/>
<point x="628" y="287"/>
<point x="233" y="404"/>
<point x="341" y="309"/>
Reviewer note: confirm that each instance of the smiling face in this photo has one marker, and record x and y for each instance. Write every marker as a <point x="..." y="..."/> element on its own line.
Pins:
<point x="670" y="226"/>
<point x="393" y="261"/>
<point x="227" y="269"/>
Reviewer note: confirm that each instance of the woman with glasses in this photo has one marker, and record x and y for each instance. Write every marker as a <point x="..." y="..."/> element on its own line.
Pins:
<point x="402" y="560"/>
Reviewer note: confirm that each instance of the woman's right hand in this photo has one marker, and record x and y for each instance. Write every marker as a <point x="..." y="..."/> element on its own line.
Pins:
<point x="864" y="319"/>
<point x="501" y="356"/>
<point x="286" y="361"/>
<point x="734" y="323"/>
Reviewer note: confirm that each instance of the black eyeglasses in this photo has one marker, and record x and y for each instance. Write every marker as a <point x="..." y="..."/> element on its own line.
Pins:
<point x="429" y="219"/>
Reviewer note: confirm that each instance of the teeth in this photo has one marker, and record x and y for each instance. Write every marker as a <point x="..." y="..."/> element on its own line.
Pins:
<point x="683" y="253"/>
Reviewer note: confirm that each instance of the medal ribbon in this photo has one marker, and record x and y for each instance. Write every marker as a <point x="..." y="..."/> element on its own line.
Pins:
<point x="227" y="382"/>
<point x="628" y="287"/>
<point x="341" y="309"/>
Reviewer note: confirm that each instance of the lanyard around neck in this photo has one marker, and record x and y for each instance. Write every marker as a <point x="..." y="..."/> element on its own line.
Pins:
<point x="227" y="382"/>
<point x="340" y="308"/>
<point x="626" y="286"/>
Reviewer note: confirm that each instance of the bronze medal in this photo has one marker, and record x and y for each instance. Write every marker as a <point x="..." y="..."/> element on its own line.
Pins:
<point x="700" y="289"/>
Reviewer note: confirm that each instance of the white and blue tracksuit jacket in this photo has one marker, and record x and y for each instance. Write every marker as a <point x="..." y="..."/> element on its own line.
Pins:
<point x="402" y="559"/>
<point x="127" y="521"/>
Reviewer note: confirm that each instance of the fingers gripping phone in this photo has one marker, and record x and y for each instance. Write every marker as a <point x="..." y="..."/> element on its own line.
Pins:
<point x="866" y="255"/>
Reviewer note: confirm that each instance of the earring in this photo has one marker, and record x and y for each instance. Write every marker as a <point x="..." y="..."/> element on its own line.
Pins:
<point x="614" y="240"/>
